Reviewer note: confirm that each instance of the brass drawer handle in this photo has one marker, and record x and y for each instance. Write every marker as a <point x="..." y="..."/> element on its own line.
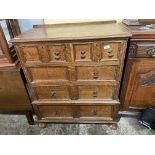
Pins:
<point x="94" y="93"/>
<point x="95" y="75"/>
<point x="151" y="52"/>
<point x="110" y="55"/>
<point x="57" y="55"/>
<point x="53" y="94"/>
<point x="83" y="54"/>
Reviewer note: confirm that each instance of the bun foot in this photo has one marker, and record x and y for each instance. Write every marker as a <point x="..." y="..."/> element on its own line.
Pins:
<point x="113" y="126"/>
<point x="42" y="125"/>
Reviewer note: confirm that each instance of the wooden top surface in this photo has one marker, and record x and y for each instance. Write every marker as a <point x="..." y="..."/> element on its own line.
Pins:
<point x="76" y="31"/>
<point x="141" y="32"/>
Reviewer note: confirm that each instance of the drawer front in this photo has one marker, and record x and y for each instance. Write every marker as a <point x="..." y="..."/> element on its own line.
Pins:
<point x="145" y="50"/>
<point x="58" y="53"/>
<point x="110" y="50"/>
<point x="30" y="54"/>
<point x="51" y="92"/>
<point x="96" y="73"/>
<point x="104" y="112"/>
<point x="95" y="111"/>
<point x="45" y="53"/>
<point x="96" y="92"/>
<point x="55" y="111"/>
<point x="48" y="73"/>
<point x="83" y="52"/>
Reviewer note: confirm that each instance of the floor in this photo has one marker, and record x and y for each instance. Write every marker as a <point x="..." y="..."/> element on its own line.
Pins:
<point x="17" y="125"/>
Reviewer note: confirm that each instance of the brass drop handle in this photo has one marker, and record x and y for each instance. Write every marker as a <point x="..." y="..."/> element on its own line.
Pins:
<point x="110" y="55"/>
<point x="95" y="75"/>
<point x="83" y="54"/>
<point x="53" y="94"/>
<point x="57" y="55"/>
<point x="94" y="93"/>
<point x="151" y="52"/>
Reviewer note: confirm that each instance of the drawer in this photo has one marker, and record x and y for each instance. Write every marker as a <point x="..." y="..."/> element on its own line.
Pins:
<point x="51" y="92"/>
<point x="50" y="111"/>
<point x="59" y="53"/>
<point x="48" y="73"/>
<point x="96" y="73"/>
<point x="30" y="54"/>
<point x="95" y="111"/>
<point x="145" y="50"/>
<point x="96" y="92"/>
<point x="110" y="50"/>
<point x="45" y="53"/>
<point x="83" y="52"/>
<point x="104" y="112"/>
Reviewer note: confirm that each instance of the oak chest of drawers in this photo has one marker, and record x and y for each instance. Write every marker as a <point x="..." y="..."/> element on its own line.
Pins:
<point x="74" y="70"/>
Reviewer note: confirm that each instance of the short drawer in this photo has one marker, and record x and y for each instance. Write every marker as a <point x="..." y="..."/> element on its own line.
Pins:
<point x="95" y="111"/>
<point x="83" y="51"/>
<point x="48" y="73"/>
<point x="145" y="50"/>
<point x="97" y="73"/>
<point x="51" y="92"/>
<point x="86" y="112"/>
<point x="96" y="92"/>
<point x="53" y="112"/>
<point x="111" y="50"/>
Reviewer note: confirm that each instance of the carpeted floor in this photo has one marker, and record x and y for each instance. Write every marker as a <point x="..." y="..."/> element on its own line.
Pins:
<point x="17" y="125"/>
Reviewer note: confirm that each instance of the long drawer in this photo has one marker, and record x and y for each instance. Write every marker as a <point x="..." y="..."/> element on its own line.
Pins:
<point x="55" y="92"/>
<point x="81" y="73"/>
<point x="89" y="112"/>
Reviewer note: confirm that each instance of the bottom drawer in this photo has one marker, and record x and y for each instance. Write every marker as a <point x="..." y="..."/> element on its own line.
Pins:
<point x="72" y="112"/>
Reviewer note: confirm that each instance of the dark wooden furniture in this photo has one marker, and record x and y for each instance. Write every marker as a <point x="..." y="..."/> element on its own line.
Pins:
<point x="14" y="98"/>
<point x="138" y="88"/>
<point x="74" y="70"/>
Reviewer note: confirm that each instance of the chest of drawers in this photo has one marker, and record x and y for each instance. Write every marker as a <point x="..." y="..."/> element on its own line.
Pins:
<point x="74" y="71"/>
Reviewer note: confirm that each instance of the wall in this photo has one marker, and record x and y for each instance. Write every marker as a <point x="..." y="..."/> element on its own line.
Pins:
<point x="26" y="24"/>
<point x="55" y="21"/>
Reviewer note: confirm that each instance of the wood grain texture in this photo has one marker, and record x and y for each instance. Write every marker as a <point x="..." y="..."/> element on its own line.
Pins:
<point x="140" y="90"/>
<point x="73" y="32"/>
<point x="12" y="90"/>
<point x="74" y="81"/>
<point x="138" y="84"/>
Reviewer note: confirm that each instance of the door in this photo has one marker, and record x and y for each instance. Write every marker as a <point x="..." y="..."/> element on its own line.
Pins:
<point x="141" y="86"/>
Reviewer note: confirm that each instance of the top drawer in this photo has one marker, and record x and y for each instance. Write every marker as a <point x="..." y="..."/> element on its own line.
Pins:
<point x="42" y="53"/>
<point x="71" y="52"/>
<point x="145" y="50"/>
